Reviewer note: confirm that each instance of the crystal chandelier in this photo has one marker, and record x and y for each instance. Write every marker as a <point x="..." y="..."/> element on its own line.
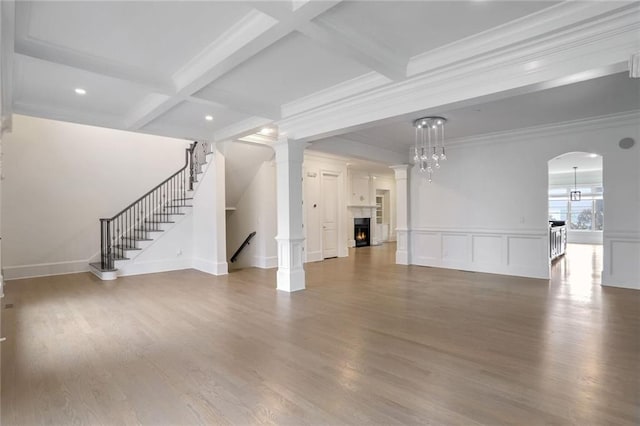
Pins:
<point x="429" y="150"/>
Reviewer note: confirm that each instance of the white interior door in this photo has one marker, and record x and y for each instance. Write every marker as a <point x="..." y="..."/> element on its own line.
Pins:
<point x="329" y="215"/>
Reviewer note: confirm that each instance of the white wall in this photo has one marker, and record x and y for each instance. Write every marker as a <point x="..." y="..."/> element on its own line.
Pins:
<point x="60" y="178"/>
<point x="486" y="209"/>
<point x="255" y="211"/>
<point x="209" y="229"/>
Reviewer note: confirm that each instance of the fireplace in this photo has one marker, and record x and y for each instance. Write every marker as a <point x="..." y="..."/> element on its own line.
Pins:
<point x="361" y="231"/>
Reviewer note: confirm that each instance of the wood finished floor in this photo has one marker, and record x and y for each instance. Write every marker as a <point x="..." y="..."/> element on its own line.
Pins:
<point x="368" y="342"/>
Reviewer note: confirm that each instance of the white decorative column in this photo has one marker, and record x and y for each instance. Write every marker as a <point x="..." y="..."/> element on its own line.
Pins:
<point x="402" y="213"/>
<point x="290" y="238"/>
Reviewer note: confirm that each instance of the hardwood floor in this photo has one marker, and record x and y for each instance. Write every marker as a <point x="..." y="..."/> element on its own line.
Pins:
<point x="367" y="342"/>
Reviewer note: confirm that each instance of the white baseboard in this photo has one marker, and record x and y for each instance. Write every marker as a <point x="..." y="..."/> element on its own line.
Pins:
<point x="45" y="269"/>
<point x="213" y="268"/>
<point x="313" y="256"/>
<point x="265" y="262"/>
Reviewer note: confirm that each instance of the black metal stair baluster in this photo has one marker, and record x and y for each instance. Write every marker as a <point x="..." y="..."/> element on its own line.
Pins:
<point x="153" y="210"/>
<point x="145" y="214"/>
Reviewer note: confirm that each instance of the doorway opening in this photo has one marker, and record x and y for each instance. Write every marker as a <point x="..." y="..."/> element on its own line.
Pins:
<point x="383" y="216"/>
<point x="576" y="217"/>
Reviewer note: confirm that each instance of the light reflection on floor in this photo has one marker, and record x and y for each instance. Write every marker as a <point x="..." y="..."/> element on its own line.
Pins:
<point x="576" y="300"/>
<point x="579" y="272"/>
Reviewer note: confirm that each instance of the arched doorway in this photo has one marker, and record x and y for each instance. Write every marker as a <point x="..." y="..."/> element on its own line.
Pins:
<point x="576" y="201"/>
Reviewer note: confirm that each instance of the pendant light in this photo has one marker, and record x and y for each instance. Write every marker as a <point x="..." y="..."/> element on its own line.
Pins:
<point x="575" y="194"/>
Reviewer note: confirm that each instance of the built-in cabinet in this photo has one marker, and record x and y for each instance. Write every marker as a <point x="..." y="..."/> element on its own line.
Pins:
<point x="557" y="240"/>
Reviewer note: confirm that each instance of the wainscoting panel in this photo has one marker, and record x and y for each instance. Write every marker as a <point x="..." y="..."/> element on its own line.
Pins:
<point x="487" y="249"/>
<point x="455" y="253"/>
<point x="522" y="250"/>
<point x="522" y="253"/>
<point x="427" y="247"/>
<point x="622" y="250"/>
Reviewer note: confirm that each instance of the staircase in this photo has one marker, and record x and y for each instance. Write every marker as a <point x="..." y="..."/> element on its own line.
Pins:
<point x="127" y="234"/>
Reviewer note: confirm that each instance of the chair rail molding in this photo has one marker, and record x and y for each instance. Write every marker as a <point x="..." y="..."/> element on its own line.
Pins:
<point x="497" y="251"/>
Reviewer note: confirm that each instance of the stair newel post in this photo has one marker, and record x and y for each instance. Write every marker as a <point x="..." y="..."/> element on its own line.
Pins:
<point x="107" y="244"/>
<point x="191" y="171"/>
<point x="103" y="246"/>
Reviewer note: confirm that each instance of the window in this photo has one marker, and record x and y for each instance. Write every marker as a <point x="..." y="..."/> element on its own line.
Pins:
<point x="558" y="210"/>
<point x="584" y="215"/>
<point x="581" y="215"/>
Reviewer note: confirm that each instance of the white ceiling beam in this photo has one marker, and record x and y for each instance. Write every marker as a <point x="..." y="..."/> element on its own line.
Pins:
<point x="352" y="149"/>
<point x="241" y="129"/>
<point x="251" y="35"/>
<point x="59" y="55"/>
<point x="149" y="109"/>
<point x="579" y="52"/>
<point x="279" y="10"/>
<point x="239" y="103"/>
<point x="7" y="34"/>
<point x="354" y="46"/>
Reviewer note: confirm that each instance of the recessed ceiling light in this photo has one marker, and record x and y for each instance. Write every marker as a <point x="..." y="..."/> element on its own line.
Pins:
<point x="80" y="91"/>
<point x="266" y="131"/>
<point x="593" y="155"/>
<point x="208" y="117"/>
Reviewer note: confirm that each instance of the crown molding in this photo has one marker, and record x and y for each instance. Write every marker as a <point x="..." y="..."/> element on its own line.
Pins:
<point x="557" y="17"/>
<point x="624" y="119"/>
<point x="365" y="82"/>
<point x="605" y="41"/>
<point x="352" y="149"/>
<point x="69" y="115"/>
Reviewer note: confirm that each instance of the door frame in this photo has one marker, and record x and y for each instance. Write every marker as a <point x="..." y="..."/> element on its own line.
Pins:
<point x="340" y="205"/>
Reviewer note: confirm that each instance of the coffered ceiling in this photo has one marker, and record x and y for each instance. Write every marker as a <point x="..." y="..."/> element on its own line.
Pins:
<point x="607" y="95"/>
<point x="308" y="67"/>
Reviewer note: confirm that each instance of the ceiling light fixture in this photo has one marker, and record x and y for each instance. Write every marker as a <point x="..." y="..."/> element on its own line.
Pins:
<point x="429" y="144"/>
<point x="80" y="91"/>
<point x="266" y="131"/>
<point x="593" y="155"/>
<point x="208" y="117"/>
<point x="575" y="194"/>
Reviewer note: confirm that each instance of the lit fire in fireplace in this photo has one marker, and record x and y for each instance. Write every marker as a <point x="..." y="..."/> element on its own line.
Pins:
<point x="361" y="236"/>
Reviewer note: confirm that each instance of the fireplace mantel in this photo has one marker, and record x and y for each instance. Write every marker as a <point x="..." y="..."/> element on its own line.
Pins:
<point x="361" y="206"/>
